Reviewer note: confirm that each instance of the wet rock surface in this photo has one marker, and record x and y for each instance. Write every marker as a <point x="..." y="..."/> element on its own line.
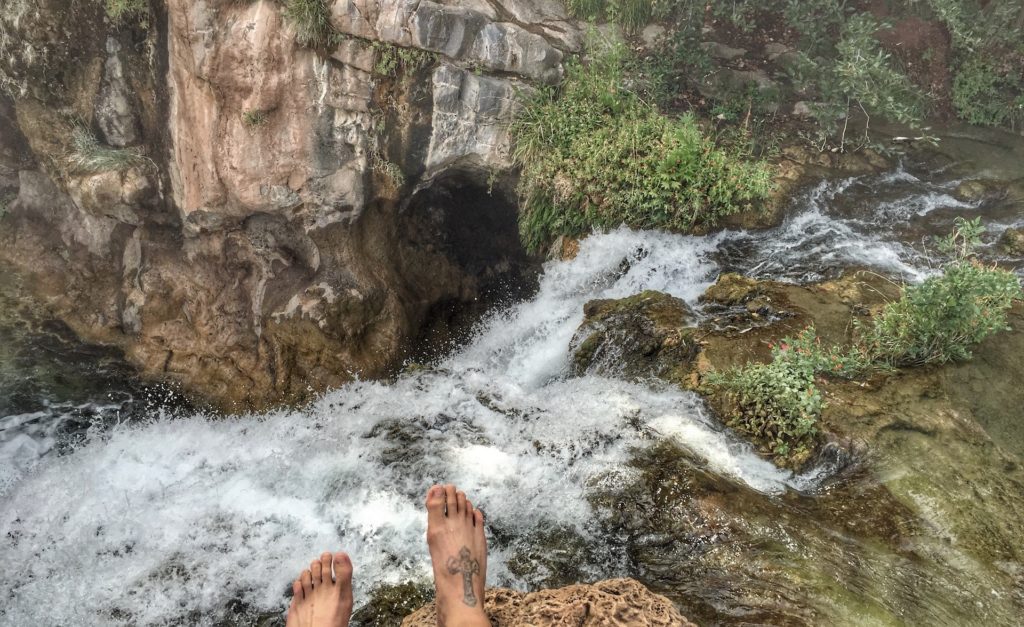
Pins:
<point x="605" y="603"/>
<point x="646" y="335"/>
<point x="267" y="241"/>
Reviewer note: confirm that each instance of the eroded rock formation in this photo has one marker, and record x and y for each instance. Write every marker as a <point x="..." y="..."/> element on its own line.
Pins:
<point x="251" y="217"/>
<point x="608" y="603"/>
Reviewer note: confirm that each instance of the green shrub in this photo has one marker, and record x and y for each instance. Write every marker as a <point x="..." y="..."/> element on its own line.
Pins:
<point x="944" y="317"/>
<point x="89" y="156"/>
<point x="119" y="10"/>
<point x="594" y="155"/>
<point x="777" y="403"/>
<point x="312" y="22"/>
<point x="987" y="95"/>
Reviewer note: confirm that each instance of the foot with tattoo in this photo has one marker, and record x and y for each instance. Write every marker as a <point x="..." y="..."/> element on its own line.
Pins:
<point x="458" y="549"/>
<point x="322" y="595"/>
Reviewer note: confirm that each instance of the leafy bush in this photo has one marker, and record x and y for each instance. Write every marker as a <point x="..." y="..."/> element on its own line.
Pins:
<point x="312" y="22"/>
<point x="89" y="156"/>
<point x="985" y="95"/>
<point x="595" y="155"/>
<point x="944" y="317"/>
<point x="777" y="403"/>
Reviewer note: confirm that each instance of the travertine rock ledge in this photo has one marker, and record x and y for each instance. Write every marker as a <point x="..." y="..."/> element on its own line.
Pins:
<point x="605" y="603"/>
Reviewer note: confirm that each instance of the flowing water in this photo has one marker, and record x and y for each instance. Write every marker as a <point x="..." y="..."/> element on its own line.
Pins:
<point x="114" y="512"/>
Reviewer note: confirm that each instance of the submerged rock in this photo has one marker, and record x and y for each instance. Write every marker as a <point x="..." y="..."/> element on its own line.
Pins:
<point x="646" y="335"/>
<point x="605" y="603"/>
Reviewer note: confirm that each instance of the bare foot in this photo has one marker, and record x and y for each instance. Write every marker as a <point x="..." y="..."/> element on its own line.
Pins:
<point x="458" y="549"/>
<point x="320" y="600"/>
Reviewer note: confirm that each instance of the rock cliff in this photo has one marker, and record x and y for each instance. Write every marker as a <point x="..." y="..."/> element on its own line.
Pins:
<point x="255" y="218"/>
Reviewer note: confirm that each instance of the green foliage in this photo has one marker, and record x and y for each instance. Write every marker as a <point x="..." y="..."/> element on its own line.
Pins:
<point x="5" y="202"/>
<point x="89" y="156"/>
<point x="986" y="95"/>
<point x="119" y="10"/>
<point x="944" y="317"/>
<point x="938" y="321"/>
<point x="777" y="403"/>
<point x="594" y="155"/>
<point x="988" y="67"/>
<point x="255" y="117"/>
<point x="312" y="22"/>
<point x="393" y="59"/>
<point x="632" y="15"/>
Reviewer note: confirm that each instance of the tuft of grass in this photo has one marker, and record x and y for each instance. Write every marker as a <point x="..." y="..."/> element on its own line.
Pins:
<point x="392" y="59"/>
<point x="312" y="22"/>
<point x="120" y="10"/>
<point x="255" y="117"/>
<point x="89" y="156"/>
<point x="631" y="15"/>
<point x="595" y="155"/>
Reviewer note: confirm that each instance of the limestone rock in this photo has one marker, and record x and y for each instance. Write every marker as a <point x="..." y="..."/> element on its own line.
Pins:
<point x="640" y="336"/>
<point x="651" y="34"/>
<point x="115" y="113"/>
<point x="458" y="32"/>
<point x="614" y="602"/>
<point x="732" y="289"/>
<point x="471" y="115"/>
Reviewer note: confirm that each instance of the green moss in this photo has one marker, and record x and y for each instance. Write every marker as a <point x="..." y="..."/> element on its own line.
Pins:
<point x="388" y="604"/>
<point x="120" y="10"/>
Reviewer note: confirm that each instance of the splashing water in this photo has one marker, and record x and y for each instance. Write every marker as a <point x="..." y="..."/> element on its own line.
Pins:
<point x="170" y="519"/>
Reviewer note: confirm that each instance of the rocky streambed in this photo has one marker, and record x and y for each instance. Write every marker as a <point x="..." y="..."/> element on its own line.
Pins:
<point x="592" y="462"/>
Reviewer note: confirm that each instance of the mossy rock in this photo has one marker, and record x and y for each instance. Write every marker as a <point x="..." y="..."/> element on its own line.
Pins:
<point x="1012" y="241"/>
<point x="732" y="289"/>
<point x="390" y="603"/>
<point x="644" y="335"/>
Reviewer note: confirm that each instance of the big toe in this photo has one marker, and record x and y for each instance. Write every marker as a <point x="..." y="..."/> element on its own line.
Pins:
<point x="435" y="506"/>
<point x="343" y="576"/>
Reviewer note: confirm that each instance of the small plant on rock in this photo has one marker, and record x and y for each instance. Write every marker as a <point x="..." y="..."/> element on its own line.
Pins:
<point x="120" y="10"/>
<point x="255" y="117"/>
<point x="777" y="403"/>
<point x="89" y="156"/>
<point x="944" y="317"/>
<point x="312" y="22"/>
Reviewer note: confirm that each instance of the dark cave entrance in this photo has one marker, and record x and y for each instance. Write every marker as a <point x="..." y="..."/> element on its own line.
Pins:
<point x="466" y="257"/>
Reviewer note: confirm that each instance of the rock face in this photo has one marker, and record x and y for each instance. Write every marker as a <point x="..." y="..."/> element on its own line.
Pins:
<point x="646" y="335"/>
<point x="608" y="603"/>
<point x="253" y="218"/>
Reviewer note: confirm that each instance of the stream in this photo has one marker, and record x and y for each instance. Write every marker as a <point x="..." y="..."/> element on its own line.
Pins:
<point x="121" y="505"/>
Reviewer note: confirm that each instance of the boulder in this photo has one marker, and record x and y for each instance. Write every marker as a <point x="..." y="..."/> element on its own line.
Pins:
<point x="1012" y="241"/>
<point x="645" y="335"/>
<point x="614" y="602"/>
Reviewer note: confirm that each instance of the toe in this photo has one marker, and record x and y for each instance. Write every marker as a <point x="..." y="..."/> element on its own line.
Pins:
<point x="316" y="571"/>
<point x="325" y="568"/>
<point x="450" y="506"/>
<point x="306" y="579"/>
<point x="297" y="594"/>
<point x="435" y="507"/>
<point x="478" y="519"/>
<point x="469" y="511"/>
<point x="460" y="499"/>
<point x="343" y="574"/>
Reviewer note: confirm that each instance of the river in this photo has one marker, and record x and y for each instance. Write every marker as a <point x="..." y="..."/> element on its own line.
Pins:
<point x="119" y="507"/>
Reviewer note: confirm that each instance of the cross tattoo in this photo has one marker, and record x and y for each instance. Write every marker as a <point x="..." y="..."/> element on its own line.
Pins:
<point x="467" y="567"/>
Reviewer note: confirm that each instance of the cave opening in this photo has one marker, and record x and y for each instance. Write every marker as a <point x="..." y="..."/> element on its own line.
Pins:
<point x="466" y="259"/>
